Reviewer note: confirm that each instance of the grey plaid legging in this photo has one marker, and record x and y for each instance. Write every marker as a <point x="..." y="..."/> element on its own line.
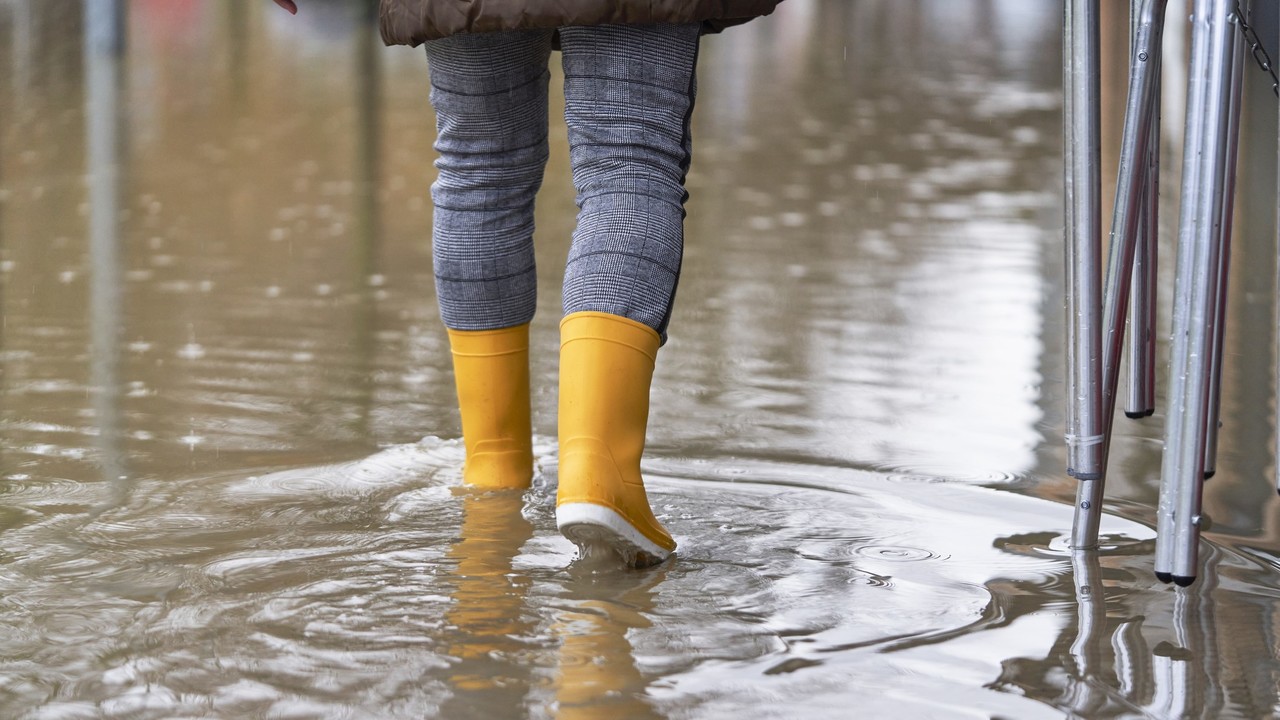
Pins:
<point x="629" y="94"/>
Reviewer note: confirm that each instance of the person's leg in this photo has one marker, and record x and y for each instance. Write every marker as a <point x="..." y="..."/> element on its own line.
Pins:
<point x="628" y="100"/>
<point x="629" y="93"/>
<point x="489" y="92"/>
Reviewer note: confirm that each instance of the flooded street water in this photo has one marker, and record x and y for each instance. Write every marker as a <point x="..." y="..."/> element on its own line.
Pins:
<point x="230" y="456"/>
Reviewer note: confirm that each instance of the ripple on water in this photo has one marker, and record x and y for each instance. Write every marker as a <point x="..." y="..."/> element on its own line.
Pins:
<point x="924" y="474"/>
<point x="789" y="578"/>
<point x="395" y="468"/>
<point x="802" y="562"/>
<point x="899" y="553"/>
<point x="33" y="491"/>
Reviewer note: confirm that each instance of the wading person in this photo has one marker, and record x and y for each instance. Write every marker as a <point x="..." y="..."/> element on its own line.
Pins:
<point x="629" y="91"/>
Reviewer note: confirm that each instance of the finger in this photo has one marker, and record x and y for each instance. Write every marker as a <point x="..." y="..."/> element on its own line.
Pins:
<point x="289" y="5"/>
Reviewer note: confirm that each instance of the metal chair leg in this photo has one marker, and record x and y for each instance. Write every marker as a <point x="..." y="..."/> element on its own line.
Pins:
<point x="1083" y="264"/>
<point x="1203" y="184"/>
<point x="1232" y="131"/>
<point x="1142" y="310"/>
<point x="1130" y="197"/>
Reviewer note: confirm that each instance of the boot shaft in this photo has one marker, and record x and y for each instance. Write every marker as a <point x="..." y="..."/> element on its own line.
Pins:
<point x="606" y="368"/>
<point x="491" y="374"/>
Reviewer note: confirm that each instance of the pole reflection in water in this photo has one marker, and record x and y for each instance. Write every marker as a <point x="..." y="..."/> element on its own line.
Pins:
<point x="1133" y="666"/>
<point x="491" y="676"/>
<point x="1091" y="617"/>
<point x="1153" y="652"/>
<point x="104" y="43"/>
<point x="368" y="168"/>
<point x="236" y="19"/>
<point x="20" y="44"/>
<point x="1190" y="665"/>
<point x="9" y="31"/>
<point x="6" y="72"/>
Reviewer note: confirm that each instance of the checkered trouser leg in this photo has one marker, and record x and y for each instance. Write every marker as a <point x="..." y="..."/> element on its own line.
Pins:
<point x="489" y="91"/>
<point x="629" y="94"/>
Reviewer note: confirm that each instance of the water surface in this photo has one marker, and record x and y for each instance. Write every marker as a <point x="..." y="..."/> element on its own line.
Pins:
<point x="229" y="456"/>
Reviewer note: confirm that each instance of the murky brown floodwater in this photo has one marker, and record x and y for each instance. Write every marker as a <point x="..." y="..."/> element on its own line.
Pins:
<point x="217" y="500"/>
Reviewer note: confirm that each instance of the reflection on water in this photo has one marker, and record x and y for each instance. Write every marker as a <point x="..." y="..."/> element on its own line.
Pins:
<point x="220" y="354"/>
<point x="487" y="621"/>
<point x="104" y="45"/>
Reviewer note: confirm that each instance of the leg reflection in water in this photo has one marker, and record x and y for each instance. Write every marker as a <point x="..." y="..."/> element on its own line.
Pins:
<point x="598" y="678"/>
<point x="497" y="636"/>
<point x="490" y="624"/>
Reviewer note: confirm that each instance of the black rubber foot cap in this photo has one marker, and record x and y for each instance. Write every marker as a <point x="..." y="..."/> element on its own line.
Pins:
<point x="1164" y="577"/>
<point x="1210" y="473"/>
<point x="1183" y="580"/>
<point x="1139" y="415"/>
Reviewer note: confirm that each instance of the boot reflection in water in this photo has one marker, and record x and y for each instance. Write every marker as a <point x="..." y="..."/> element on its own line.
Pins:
<point x="488" y="616"/>
<point x="598" y="678"/>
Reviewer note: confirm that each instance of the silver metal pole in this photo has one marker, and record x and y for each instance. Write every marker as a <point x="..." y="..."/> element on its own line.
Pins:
<point x="1081" y="121"/>
<point x="1142" y="310"/>
<point x="1130" y="194"/>
<point x="1129" y="201"/>
<point x="1202" y="184"/>
<point x="1232" y="135"/>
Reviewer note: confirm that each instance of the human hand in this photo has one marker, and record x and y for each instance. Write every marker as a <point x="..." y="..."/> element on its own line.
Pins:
<point x="289" y="5"/>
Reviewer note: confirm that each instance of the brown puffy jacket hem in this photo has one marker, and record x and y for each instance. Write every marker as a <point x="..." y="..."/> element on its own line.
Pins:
<point x="413" y="22"/>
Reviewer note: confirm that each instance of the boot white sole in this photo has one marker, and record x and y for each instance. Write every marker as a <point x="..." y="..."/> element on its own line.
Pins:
<point x="594" y="528"/>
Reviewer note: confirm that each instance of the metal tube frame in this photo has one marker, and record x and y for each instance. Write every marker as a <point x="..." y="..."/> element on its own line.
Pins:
<point x="1142" y="310"/>
<point x="1203" y="184"/>
<point x="1082" y="124"/>
<point x="1232" y="132"/>
<point x="1200" y="290"/>
<point x="1130" y="202"/>
<point x="1083" y="232"/>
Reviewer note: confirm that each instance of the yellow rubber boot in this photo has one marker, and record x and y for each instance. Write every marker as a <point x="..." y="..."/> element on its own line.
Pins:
<point x="606" y="366"/>
<point x="491" y="370"/>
